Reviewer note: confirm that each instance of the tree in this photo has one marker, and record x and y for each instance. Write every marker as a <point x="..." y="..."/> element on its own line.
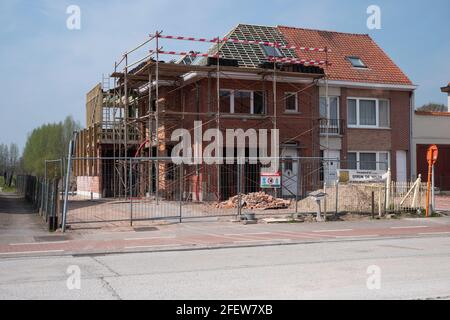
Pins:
<point x="433" y="107"/>
<point x="4" y="156"/>
<point x="47" y="142"/>
<point x="13" y="161"/>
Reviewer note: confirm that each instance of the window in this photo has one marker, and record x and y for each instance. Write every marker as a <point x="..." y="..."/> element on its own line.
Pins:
<point x="384" y="161"/>
<point x="368" y="161"/>
<point x="384" y="113"/>
<point x="259" y="102"/>
<point x="272" y="52"/>
<point x="225" y="101"/>
<point x="291" y="102"/>
<point x="242" y="102"/>
<point x="352" y="113"/>
<point x="352" y="159"/>
<point x="333" y="108"/>
<point x="368" y="113"/>
<point x="356" y="62"/>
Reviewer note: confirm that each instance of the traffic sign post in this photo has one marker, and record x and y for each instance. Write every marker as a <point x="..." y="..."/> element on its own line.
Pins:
<point x="432" y="157"/>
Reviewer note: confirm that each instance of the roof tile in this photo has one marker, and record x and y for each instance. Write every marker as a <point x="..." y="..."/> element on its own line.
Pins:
<point x="380" y="68"/>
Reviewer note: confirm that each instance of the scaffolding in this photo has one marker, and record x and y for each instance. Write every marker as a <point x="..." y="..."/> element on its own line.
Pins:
<point x="131" y="116"/>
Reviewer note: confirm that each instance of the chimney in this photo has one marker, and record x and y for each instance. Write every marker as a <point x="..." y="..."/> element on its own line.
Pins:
<point x="447" y="90"/>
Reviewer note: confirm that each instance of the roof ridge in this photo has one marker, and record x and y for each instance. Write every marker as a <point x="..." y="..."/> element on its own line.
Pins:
<point x="321" y="30"/>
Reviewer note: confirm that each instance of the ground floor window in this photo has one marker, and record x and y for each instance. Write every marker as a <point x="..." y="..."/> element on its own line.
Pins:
<point x="368" y="161"/>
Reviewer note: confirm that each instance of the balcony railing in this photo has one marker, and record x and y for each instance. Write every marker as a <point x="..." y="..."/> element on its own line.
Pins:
<point x="331" y="126"/>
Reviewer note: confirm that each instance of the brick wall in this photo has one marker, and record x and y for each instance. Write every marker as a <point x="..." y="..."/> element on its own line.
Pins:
<point x="395" y="139"/>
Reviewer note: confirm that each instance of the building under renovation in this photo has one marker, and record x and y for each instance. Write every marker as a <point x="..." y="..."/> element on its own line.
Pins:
<point x="331" y="95"/>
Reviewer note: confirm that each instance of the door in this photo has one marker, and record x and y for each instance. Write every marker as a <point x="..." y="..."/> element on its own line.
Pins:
<point x="401" y="167"/>
<point x="290" y="172"/>
<point x="332" y="166"/>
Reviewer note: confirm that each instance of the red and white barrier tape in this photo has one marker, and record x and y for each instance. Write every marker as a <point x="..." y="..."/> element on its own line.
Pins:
<point x="298" y="61"/>
<point x="185" y="38"/>
<point x="277" y="45"/>
<point x="192" y="54"/>
<point x="265" y="43"/>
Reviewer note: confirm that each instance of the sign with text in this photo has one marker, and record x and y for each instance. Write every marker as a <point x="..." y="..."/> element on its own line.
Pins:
<point x="270" y="180"/>
<point x="361" y="176"/>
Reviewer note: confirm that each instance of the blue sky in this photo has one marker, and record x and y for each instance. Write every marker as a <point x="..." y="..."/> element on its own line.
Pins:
<point x="47" y="69"/>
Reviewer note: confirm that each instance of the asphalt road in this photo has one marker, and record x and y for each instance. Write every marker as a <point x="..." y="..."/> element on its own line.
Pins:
<point x="408" y="268"/>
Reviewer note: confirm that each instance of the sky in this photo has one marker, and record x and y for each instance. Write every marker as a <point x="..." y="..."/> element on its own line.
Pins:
<point x="47" y="69"/>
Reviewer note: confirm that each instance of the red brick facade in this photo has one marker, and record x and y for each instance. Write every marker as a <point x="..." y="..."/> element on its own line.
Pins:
<point x="397" y="138"/>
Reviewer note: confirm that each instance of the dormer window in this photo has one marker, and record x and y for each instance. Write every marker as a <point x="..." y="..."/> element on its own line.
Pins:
<point x="356" y="62"/>
<point x="272" y="51"/>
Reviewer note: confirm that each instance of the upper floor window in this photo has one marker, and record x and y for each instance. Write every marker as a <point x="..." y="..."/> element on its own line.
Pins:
<point x="291" y="102"/>
<point x="242" y="102"/>
<point x="368" y="113"/>
<point x="356" y="62"/>
<point x="332" y="111"/>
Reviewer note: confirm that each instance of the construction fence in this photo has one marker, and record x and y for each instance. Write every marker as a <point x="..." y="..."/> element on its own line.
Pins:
<point x="45" y="193"/>
<point x="127" y="191"/>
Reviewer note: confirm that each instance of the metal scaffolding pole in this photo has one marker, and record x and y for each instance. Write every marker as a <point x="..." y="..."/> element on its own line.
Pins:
<point x="157" y="116"/>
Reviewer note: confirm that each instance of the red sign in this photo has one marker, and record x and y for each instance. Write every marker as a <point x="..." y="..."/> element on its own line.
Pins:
<point x="432" y="155"/>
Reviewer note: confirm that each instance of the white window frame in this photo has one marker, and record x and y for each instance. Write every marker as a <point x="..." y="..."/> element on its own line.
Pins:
<point x="349" y="59"/>
<point x="252" y="101"/>
<point x="378" y="159"/>
<point x="295" y="94"/>
<point x="377" y="113"/>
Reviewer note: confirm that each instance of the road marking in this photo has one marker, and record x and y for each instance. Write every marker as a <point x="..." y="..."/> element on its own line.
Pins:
<point x="364" y="236"/>
<point x="307" y="235"/>
<point x="433" y="233"/>
<point x="152" y="247"/>
<point x="246" y="234"/>
<point x="30" y="252"/>
<point x="339" y="230"/>
<point x="261" y="240"/>
<point x="149" y="238"/>
<point x="36" y="243"/>
<point x="412" y="227"/>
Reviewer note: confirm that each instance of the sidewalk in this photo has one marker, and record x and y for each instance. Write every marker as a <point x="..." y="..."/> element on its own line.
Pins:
<point x="18" y="220"/>
<point x="23" y="233"/>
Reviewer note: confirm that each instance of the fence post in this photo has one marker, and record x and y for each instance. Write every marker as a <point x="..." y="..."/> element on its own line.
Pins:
<point x="373" y="204"/>
<point x="325" y="207"/>
<point x="181" y="192"/>
<point x="388" y="190"/>
<point x="131" y="190"/>
<point x="239" y="190"/>
<point x="337" y="199"/>
<point x="66" y="191"/>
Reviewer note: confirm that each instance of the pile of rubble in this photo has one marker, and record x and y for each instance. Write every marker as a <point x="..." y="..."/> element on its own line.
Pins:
<point x="255" y="201"/>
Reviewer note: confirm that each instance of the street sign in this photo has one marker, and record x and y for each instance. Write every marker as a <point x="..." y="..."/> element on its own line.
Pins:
<point x="432" y="155"/>
<point x="270" y="180"/>
<point x="361" y="176"/>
